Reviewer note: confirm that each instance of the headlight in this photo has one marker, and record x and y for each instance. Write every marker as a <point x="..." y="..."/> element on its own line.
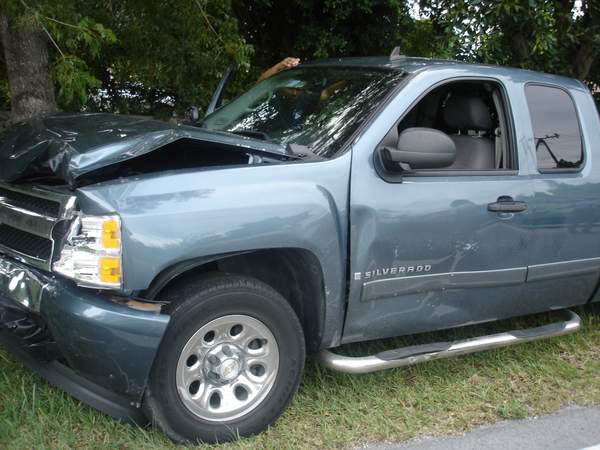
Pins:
<point x="91" y="254"/>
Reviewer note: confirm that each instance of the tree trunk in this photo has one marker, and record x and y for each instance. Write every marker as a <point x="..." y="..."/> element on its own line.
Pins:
<point x="584" y="59"/>
<point x="29" y="80"/>
<point x="519" y="44"/>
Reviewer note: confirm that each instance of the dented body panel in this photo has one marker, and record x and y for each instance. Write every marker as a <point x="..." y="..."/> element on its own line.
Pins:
<point x="175" y="217"/>
<point x="100" y="337"/>
<point x="68" y="146"/>
<point x="483" y="266"/>
<point x="394" y="258"/>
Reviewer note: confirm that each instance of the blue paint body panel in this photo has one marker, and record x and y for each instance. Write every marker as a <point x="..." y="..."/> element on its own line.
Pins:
<point x="111" y="344"/>
<point x="72" y="145"/>
<point x="396" y="257"/>
<point x="171" y="218"/>
<point x="443" y="222"/>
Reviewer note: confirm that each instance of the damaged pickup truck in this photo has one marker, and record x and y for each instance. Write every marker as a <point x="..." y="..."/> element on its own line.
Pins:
<point x="179" y="274"/>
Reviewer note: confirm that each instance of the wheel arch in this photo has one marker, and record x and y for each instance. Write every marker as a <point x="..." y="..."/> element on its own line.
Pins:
<point x="295" y="273"/>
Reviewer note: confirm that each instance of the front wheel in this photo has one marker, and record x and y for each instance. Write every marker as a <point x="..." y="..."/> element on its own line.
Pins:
<point x="229" y="363"/>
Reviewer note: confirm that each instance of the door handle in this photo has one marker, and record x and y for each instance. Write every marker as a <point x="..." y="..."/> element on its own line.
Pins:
<point x="506" y="204"/>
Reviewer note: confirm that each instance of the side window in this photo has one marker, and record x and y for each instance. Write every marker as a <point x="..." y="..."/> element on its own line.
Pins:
<point x="473" y="117"/>
<point x="558" y="143"/>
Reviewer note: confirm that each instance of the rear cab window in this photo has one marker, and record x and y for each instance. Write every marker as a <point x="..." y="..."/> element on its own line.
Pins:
<point x="556" y="129"/>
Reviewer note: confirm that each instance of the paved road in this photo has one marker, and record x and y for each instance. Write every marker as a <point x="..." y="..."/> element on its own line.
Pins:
<point x="570" y="429"/>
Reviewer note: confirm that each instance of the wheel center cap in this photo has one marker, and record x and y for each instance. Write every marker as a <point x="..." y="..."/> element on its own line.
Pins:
<point x="229" y="369"/>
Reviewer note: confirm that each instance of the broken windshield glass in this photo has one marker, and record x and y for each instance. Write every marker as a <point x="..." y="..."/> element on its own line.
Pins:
<point x="316" y="107"/>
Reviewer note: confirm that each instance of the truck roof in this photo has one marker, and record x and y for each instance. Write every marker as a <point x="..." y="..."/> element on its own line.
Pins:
<point x="405" y="63"/>
<point x="416" y="64"/>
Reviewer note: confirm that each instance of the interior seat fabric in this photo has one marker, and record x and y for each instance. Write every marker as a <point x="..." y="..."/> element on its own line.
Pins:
<point x="464" y="114"/>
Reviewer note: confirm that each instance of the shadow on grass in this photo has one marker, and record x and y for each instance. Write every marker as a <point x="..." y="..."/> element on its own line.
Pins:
<point x="472" y="331"/>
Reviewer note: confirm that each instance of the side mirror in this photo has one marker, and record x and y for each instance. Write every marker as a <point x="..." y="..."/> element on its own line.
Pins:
<point x="192" y="114"/>
<point x="421" y="148"/>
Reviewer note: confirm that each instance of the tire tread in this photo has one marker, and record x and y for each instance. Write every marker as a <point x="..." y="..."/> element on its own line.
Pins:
<point x="185" y="298"/>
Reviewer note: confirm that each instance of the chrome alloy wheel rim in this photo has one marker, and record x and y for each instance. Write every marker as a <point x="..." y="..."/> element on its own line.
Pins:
<point x="227" y="368"/>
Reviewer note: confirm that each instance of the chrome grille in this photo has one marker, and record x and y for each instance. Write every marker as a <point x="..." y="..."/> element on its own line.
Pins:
<point x="25" y="243"/>
<point x="30" y="219"/>
<point x="38" y="205"/>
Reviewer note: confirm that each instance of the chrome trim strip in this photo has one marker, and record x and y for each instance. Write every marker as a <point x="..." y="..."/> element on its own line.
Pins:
<point x="389" y="287"/>
<point x="423" y="353"/>
<point x="33" y="222"/>
<point x="560" y="269"/>
<point x="28" y="221"/>
<point x="66" y="201"/>
<point x="20" y="285"/>
<point x="22" y="257"/>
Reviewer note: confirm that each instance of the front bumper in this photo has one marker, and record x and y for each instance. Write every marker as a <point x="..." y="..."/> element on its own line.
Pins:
<point x="99" y="350"/>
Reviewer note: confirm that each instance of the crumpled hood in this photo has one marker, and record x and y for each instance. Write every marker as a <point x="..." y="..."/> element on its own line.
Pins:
<point x="71" y="145"/>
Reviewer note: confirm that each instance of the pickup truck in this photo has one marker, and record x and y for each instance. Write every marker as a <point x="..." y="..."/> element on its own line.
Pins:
<point x="178" y="274"/>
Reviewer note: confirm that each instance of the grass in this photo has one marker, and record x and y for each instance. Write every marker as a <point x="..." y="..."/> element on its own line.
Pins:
<point x="339" y="410"/>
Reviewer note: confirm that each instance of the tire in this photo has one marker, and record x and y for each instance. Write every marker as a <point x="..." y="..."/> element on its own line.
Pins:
<point x="221" y="326"/>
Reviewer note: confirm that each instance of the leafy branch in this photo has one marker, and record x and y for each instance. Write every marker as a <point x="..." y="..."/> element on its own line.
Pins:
<point x="71" y="41"/>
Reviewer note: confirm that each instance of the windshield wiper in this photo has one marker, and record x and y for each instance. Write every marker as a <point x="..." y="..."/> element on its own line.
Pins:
<point x="294" y="150"/>
<point x="302" y="151"/>
<point x="253" y="134"/>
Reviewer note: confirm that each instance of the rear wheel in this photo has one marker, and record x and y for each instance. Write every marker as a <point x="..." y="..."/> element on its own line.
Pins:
<point x="229" y="363"/>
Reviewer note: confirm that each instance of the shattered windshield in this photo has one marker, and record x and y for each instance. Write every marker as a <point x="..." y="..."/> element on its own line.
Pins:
<point x="316" y="107"/>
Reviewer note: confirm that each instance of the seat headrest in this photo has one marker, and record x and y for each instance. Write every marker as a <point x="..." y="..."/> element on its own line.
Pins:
<point x="467" y="113"/>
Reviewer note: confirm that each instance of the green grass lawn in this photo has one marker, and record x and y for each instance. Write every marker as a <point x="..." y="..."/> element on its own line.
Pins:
<point x="337" y="410"/>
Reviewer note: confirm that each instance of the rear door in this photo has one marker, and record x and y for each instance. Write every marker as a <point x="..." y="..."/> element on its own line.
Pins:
<point x="565" y="250"/>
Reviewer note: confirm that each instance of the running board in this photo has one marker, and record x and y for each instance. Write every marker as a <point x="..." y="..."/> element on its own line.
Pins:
<point x="407" y="356"/>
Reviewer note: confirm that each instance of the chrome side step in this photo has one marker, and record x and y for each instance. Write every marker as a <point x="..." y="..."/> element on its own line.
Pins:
<point x="416" y="354"/>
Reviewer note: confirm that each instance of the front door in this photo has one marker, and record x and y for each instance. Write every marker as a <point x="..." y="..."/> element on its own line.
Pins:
<point x="437" y="250"/>
<point x="427" y="254"/>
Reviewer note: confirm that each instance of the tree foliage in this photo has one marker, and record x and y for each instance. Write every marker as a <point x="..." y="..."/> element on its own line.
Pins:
<point x="135" y="56"/>
<point x="160" y="56"/>
<point x="331" y="28"/>
<point x="75" y="40"/>
<point x="170" y="54"/>
<point x="557" y="36"/>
